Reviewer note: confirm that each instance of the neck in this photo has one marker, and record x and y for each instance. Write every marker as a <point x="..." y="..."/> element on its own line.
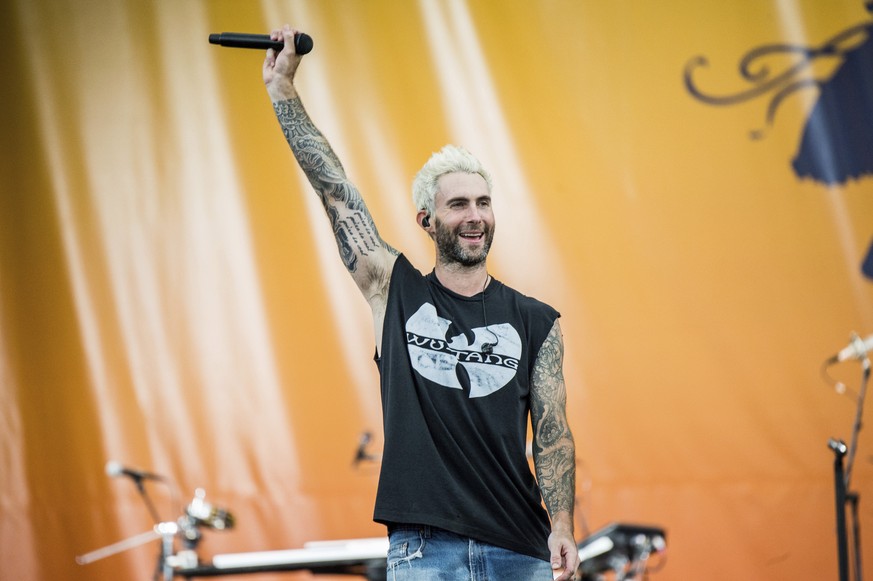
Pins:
<point x="464" y="280"/>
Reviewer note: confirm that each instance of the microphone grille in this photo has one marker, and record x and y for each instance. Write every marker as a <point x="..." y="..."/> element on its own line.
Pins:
<point x="302" y="43"/>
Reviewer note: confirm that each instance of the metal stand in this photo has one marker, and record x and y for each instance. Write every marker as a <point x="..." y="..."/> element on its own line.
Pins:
<point x="842" y="487"/>
<point x="839" y="449"/>
<point x="198" y="513"/>
<point x="327" y="557"/>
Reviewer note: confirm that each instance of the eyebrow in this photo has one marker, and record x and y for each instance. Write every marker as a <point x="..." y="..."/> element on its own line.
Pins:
<point x="463" y="198"/>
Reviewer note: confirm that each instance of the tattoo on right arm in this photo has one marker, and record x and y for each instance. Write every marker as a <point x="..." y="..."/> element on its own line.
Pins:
<point x="354" y="229"/>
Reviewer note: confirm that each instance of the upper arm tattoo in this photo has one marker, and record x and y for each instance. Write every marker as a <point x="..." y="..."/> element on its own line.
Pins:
<point x="553" y="446"/>
<point x="353" y="226"/>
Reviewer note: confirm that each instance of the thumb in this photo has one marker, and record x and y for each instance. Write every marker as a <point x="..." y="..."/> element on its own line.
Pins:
<point x="557" y="556"/>
<point x="557" y="562"/>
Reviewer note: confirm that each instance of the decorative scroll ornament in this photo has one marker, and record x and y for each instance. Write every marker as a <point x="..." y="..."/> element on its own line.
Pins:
<point x="837" y="141"/>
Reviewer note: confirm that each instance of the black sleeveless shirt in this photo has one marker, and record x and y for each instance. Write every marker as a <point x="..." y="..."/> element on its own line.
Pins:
<point x="455" y="416"/>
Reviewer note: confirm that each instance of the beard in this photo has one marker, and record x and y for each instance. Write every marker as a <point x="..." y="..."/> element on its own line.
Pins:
<point x="452" y="251"/>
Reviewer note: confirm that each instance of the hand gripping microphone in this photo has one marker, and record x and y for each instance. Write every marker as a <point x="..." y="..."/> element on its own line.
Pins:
<point x="302" y="41"/>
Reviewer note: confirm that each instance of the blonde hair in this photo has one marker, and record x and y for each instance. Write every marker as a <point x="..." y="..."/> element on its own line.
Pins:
<point x="449" y="159"/>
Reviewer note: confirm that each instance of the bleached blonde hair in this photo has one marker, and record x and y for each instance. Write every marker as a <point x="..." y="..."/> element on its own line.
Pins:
<point x="449" y="159"/>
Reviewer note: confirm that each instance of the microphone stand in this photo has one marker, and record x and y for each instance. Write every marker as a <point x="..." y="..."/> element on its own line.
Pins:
<point x="198" y="513"/>
<point x="839" y="449"/>
<point x="842" y="481"/>
<point x="166" y="533"/>
<point x="853" y="497"/>
<point x="140" y="487"/>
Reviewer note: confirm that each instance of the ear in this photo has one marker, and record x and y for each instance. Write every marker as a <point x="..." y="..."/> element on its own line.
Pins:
<point x="423" y="219"/>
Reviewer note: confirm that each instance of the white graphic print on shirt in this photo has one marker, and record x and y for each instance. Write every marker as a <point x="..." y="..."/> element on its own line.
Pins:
<point x="436" y="357"/>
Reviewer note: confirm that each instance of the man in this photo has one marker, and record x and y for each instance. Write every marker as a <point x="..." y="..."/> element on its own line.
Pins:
<point x="463" y="360"/>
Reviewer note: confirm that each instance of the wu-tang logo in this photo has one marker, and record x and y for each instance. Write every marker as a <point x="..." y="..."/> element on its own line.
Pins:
<point x="837" y="142"/>
<point x="455" y="362"/>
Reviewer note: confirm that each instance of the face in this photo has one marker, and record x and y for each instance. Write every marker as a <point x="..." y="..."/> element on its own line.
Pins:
<point x="463" y="219"/>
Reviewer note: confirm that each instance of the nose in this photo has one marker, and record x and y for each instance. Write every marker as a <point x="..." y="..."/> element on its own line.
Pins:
<point x="475" y="214"/>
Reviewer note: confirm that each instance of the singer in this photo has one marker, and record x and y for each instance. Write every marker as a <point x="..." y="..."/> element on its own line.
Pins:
<point x="464" y="360"/>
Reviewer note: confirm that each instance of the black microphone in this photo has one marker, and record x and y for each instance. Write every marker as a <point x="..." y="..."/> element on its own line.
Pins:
<point x="116" y="469"/>
<point x="488" y="348"/>
<point x="302" y="41"/>
<point x="361" y="453"/>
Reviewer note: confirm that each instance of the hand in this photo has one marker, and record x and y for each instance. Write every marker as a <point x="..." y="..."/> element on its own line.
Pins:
<point x="565" y="555"/>
<point x="279" y="68"/>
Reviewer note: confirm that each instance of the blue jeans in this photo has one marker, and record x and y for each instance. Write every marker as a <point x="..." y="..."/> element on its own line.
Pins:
<point x="422" y="553"/>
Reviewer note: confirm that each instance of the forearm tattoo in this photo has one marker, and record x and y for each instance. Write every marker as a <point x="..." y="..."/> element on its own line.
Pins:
<point x="553" y="446"/>
<point x="353" y="227"/>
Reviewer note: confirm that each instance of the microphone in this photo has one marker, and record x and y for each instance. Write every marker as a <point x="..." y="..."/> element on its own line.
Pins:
<point x="116" y="469"/>
<point x="361" y="454"/>
<point x="488" y="348"/>
<point x="302" y="41"/>
<point x="857" y="349"/>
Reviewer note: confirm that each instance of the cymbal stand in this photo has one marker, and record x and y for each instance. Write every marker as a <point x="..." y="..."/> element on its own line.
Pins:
<point x="198" y="513"/>
<point x="169" y="561"/>
<point x="168" y="532"/>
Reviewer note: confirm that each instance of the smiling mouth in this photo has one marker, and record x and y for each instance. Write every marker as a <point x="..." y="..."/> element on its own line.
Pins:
<point x="473" y="236"/>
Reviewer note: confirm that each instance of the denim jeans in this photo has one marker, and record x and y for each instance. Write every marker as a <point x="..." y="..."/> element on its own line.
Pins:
<point x="422" y="553"/>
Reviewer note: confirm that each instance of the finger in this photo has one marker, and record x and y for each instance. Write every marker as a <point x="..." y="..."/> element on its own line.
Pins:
<point x="290" y="39"/>
<point x="269" y="61"/>
<point x="564" y="562"/>
<point x="270" y="57"/>
<point x="288" y="35"/>
<point x="573" y="559"/>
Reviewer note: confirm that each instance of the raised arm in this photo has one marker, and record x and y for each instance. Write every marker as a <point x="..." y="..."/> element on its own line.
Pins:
<point x="554" y="451"/>
<point x="366" y="256"/>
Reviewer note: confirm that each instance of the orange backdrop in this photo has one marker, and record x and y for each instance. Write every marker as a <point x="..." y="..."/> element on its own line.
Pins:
<point x="170" y="296"/>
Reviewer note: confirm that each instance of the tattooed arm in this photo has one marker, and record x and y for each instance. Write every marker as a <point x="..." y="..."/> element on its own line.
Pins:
<point x="554" y="451"/>
<point x="366" y="256"/>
